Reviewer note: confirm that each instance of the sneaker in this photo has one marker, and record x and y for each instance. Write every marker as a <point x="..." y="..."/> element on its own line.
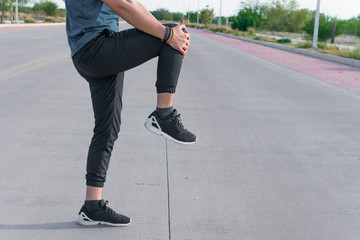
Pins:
<point x="102" y="215"/>
<point x="170" y="127"/>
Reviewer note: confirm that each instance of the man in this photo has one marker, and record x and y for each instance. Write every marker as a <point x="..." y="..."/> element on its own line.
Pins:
<point x="102" y="54"/>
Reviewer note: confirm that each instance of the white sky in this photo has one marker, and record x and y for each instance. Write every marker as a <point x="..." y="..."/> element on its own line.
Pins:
<point x="344" y="9"/>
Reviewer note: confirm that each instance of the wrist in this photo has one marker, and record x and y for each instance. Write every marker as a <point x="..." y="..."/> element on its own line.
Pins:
<point x="171" y="36"/>
<point x="164" y="31"/>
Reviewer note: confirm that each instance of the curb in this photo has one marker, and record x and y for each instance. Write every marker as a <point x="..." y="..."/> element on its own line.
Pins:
<point x="322" y="56"/>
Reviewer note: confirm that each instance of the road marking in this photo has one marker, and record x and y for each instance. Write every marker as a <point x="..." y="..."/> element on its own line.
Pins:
<point x="32" y="67"/>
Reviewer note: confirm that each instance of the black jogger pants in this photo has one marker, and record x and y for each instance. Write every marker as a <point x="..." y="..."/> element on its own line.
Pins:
<point x="102" y="62"/>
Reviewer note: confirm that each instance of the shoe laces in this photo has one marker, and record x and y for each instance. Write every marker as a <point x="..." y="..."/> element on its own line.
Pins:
<point x="107" y="209"/>
<point x="177" y="122"/>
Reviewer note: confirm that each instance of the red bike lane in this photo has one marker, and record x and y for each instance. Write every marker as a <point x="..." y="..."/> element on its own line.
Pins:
<point x="340" y="75"/>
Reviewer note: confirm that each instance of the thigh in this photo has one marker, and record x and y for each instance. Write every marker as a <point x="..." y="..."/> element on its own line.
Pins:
<point x="106" y="96"/>
<point x="119" y="52"/>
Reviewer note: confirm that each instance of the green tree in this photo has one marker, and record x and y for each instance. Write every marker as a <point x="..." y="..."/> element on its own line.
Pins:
<point x="352" y="26"/>
<point x="8" y="5"/>
<point x="4" y="3"/>
<point x="162" y="14"/>
<point x="297" y="20"/>
<point x="244" y="19"/>
<point x="206" y="15"/>
<point x="278" y="15"/>
<point x="177" y="16"/>
<point x="325" y="27"/>
<point x="49" y="8"/>
<point x="251" y="14"/>
<point x="192" y="15"/>
<point x="234" y="22"/>
<point x="256" y="11"/>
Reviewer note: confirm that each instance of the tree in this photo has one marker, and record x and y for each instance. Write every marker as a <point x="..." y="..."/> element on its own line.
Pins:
<point x="352" y="26"/>
<point x="206" y="15"/>
<point x="9" y="5"/>
<point x="234" y="22"/>
<point x="49" y="7"/>
<point x="12" y="10"/>
<point x="4" y="2"/>
<point x="279" y="14"/>
<point x="297" y="20"/>
<point x="245" y="19"/>
<point x="192" y="15"/>
<point x="325" y="27"/>
<point x="251" y="14"/>
<point x="177" y="16"/>
<point x="256" y="11"/>
<point x="162" y="14"/>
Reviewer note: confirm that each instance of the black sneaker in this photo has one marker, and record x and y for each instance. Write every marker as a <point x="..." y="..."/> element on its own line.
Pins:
<point x="170" y="127"/>
<point x="102" y="215"/>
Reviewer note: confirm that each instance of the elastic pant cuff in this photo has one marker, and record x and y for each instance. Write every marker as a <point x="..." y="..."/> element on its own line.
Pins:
<point x="94" y="184"/>
<point x="165" y="90"/>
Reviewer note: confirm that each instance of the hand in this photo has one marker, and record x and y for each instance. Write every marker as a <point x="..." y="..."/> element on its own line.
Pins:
<point x="181" y="39"/>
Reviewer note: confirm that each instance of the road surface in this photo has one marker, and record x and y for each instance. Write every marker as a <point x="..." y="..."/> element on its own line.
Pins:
<point x="277" y="158"/>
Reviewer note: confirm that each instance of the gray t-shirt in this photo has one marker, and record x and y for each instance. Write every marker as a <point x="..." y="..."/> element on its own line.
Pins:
<point x="86" y="19"/>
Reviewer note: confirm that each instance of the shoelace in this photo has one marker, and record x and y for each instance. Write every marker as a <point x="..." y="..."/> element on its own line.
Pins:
<point x="107" y="209"/>
<point x="178" y="123"/>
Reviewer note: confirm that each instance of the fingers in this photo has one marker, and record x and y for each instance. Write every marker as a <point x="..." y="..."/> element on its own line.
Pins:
<point x="181" y="40"/>
<point x="184" y="29"/>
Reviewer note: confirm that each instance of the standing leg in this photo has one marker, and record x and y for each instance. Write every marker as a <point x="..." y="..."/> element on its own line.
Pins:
<point x="106" y="95"/>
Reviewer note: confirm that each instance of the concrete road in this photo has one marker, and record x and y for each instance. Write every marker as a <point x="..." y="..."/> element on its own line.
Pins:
<point x="278" y="152"/>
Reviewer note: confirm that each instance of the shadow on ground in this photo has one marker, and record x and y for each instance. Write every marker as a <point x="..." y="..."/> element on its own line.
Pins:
<point x="47" y="226"/>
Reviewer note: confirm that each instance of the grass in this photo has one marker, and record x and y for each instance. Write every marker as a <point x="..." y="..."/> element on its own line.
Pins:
<point x="249" y="34"/>
<point x="348" y="53"/>
<point x="323" y="47"/>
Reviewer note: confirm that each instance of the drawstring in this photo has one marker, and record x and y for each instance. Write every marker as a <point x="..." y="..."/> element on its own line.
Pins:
<point x="107" y="33"/>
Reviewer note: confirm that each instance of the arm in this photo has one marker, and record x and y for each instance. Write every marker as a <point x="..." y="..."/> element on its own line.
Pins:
<point x="137" y="15"/>
<point x="139" y="5"/>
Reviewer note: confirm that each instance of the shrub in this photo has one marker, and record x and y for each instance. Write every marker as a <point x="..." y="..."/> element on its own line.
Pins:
<point x="351" y="53"/>
<point x="237" y="33"/>
<point x="50" y="20"/>
<point x="48" y="7"/>
<point x="304" y="45"/>
<point x="251" y="31"/>
<point x="283" y="40"/>
<point x="262" y="38"/>
<point x="61" y="13"/>
<point x="29" y="20"/>
<point x="322" y="45"/>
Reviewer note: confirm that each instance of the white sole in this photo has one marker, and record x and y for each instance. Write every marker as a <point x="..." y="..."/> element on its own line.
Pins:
<point x="88" y="222"/>
<point x="161" y="133"/>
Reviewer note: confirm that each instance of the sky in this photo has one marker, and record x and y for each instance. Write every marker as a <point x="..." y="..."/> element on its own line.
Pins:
<point x="343" y="9"/>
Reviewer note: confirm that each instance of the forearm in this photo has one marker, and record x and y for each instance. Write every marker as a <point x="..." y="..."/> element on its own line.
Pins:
<point x="141" y="7"/>
<point x="138" y="16"/>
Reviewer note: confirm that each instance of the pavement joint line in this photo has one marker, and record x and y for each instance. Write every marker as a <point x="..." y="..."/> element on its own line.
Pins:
<point x="168" y="187"/>
<point x="32" y="67"/>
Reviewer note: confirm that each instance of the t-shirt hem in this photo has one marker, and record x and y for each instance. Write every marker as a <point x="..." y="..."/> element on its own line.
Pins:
<point x="83" y="41"/>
